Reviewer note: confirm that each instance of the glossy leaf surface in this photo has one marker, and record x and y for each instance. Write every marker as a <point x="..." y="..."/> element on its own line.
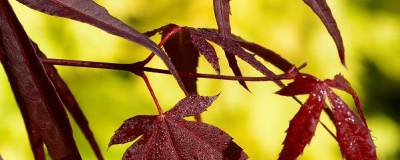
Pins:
<point x="339" y="82"/>
<point x="302" y="127"/>
<point x="353" y="135"/>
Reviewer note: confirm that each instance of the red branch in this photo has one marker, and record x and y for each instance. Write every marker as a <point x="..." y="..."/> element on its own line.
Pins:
<point x="153" y="95"/>
<point x="132" y="68"/>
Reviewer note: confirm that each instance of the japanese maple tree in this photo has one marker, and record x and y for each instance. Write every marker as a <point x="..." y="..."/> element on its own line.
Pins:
<point x="44" y="98"/>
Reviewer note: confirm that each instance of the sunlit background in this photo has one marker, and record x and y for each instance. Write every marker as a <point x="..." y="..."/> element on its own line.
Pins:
<point x="257" y="120"/>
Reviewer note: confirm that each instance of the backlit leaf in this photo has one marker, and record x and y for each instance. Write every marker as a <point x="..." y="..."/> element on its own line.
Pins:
<point x="170" y="137"/>
<point x="339" y="82"/>
<point x="302" y="127"/>
<point x="301" y="85"/>
<point x="353" y="135"/>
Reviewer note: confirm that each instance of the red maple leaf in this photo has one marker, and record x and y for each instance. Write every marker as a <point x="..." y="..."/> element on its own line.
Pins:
<point x="353" y="134"/>
<point x="169" y="136"/>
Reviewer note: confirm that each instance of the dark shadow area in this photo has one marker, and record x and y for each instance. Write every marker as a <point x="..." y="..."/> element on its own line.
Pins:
<point x="382" y="92"/>
<point x="377" y="6"/>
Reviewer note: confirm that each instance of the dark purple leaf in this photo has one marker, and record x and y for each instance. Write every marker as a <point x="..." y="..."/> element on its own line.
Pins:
<point x="268" y="55"/>
<point x="185" y="57"/>
<point x="70" y="103"/>
<point x="207" y="33"/>
<point x="88" y="11"/>
<point x="321" y="8"/>
<point x="33" y="90"/>
<point x="232" y="62"/>
<point x="264" y="53"/>
<point x="169" y="136"/>
<point x="207" y="50"/>
<point x="222" y="11"/>
<point x="35" y="139"/>
<point x="231" y="47"/>
<point x="353" y="135"/>
<point x="34" y="136"/>
<point x="339" y="82"/>
<point x="302" y="127"/>
<point x="235" y="49"/>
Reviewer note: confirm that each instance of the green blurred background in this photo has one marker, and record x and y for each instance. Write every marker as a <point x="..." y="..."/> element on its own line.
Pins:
<point x="257" y="120"/>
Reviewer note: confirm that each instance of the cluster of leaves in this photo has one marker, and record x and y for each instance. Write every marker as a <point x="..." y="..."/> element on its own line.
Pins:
<point x="43" y="96"/>
<point x="353" y="134"/>
<point x="188" y="43"/>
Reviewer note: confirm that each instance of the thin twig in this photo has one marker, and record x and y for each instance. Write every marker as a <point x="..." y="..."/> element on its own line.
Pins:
<point x="153" y="95"/>
<point x="163" y="41"/>
<point x="131" y="68"/>
<point x="327" y="111"/>
<point x="329" y="131"/>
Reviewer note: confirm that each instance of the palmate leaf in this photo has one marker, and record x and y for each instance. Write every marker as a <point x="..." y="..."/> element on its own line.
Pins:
<point x="353" y="135"/>
<point x="321" y="8"/>
<point x="169" y="136"/>
<point x="89" y="12"/>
